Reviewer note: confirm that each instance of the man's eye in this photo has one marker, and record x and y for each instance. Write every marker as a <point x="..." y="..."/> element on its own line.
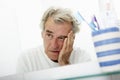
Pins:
<point x="61" y="38"/>
<point x="49" y="35"/>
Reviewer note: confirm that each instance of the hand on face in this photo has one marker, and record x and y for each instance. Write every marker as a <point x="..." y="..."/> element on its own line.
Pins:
<point x="66" y="49"/>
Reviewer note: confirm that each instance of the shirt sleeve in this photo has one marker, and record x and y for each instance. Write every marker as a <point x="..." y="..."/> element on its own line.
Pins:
<point x="84" y="56"/>
<point x="24" y="62"/>
<point x="79" y="55"/>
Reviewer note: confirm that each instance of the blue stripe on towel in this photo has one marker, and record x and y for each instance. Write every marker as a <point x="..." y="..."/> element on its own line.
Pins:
<point x="109" y="63"/>
<point x="113" y="29"/>
<point x="109" y="52"/>
<point x="106" y="41"/>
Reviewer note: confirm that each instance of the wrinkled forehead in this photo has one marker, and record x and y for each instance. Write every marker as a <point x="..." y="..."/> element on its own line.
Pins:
<point x="56" y="34"/>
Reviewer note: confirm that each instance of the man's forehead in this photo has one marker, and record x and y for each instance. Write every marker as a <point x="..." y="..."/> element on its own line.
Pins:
<point x="52" y="27"/>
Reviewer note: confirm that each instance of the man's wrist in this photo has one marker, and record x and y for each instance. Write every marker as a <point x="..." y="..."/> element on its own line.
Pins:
<point x="62" y="63"/>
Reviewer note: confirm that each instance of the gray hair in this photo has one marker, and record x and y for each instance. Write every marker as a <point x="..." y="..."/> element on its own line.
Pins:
<point x="60" y="15"/>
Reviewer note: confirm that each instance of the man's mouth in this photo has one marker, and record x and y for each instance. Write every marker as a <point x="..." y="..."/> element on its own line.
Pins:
<point x="57" y="52"/>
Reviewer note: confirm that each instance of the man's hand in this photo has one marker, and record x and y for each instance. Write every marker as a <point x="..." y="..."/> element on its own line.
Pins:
<point x="66" y="49"/>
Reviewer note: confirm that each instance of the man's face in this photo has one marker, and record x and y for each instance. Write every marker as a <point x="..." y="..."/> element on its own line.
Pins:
<point x="53" y="37"/>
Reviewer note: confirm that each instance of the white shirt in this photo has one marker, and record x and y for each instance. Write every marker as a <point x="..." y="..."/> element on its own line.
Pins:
<point x="36" y="59"/>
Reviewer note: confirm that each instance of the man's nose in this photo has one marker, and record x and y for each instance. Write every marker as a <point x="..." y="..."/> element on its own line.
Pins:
<point x="54" y="43"/>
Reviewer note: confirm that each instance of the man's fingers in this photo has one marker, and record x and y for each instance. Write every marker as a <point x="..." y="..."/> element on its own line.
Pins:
<point x="71" y="37"/>
<point x="68" y="42"/>
<point x="65" y="43"/>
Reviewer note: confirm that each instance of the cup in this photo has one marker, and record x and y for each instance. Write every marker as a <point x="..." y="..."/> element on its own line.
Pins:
<point x="107" y="46"/>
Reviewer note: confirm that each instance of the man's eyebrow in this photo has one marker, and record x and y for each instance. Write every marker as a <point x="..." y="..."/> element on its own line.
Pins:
<point x="49" y="31"/>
